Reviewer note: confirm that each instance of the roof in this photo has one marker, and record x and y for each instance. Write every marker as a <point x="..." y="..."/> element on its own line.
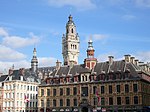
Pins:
<point x="26" y="74"/>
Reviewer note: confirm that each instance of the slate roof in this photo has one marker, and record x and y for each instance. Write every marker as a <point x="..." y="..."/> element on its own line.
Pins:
<point x="3" y="77"/>
<point x="26" y="76"/>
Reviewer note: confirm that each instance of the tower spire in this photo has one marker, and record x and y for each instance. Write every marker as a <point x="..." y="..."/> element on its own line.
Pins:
<point x="34" y="61"/>
<point x="70" y="43"/>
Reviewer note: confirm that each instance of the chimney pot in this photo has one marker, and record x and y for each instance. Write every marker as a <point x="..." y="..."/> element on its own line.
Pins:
<point x="127" y="58"/>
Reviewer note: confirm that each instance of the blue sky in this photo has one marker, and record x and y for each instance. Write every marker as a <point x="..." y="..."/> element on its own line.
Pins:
<point x="117" y="27"/>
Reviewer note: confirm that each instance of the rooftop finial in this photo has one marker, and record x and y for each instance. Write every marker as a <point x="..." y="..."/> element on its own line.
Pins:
<point x="70" y="17"/>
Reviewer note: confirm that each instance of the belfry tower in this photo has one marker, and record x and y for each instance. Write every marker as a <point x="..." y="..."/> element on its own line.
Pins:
<point x="34" y="62"/>
<point x="90" y="61"/>
<point x="70" y="43"/>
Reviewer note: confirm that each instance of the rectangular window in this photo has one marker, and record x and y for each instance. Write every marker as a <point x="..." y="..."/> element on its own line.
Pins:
<point x="102" y="101"/>
<point x="48" y="103"/>
<point x="68" y="91"/>
<point x="118" y="100"/>
<point x="102" y="90"/>
<point x="110" y="89"/>
<point x="135" y="88"/>
<point x="75" y="102"/>
<point x="84" y="91"/>
<point x="54" y="103"/>
<point x="94" y="89"/>
<point x="48" y="92"/>
<point x="126" y="88"/>
<point x="118" y="88"/>
<point x="42" y="92"/>
<point x="61" y="91"/>
<point x="94" y="101"/>
<point x="68" y="102"/>
<point x="135" y="99"/>
<point x="61" y="102"/>
<point x="110" y="101"/>
<point x="74" y="91"/>
<point x="54" y="92"/>
<point x="127" y="100"/>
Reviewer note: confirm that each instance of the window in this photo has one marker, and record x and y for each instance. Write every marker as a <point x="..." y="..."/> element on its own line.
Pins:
<point x="94" y="101"/>
<point x="48" y="92"/>
<point x="28" y="88"/>
<point x="135" y="88"/>
<point x="94" y="89"/>
<point x="48" y="103"/>
<point x="61" y="91"/>
<point x="84" y="91"/>
<point x="102" y="90"/>
<point x="42" y="92"/>
<point x="110" y="89"/>
<point x="72" y="30"/>
<point x="30" y="104"/>
<point x="68" y="102"/>
<point x="54" y="92"/>
<point x="102" y="101"/>
<point x="75" y="102"/>
<point x="68" y="91"/>
<point x="110" y="101"/>
<point x="74" y="91"/>
<point x="118" y="88"/>
<point x="54" y="103"/>
<point x="118" y="100"/>
<point x="126" y="88"/>
<point x="127" y="100"/>
<point x="61" y="102"/>
<point x="135" y="99"/>
<point x="33" y="104"/>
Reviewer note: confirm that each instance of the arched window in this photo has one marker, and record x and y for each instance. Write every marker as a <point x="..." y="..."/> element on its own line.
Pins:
<point x="67" y="31"/>
<point x="72" y="30"/>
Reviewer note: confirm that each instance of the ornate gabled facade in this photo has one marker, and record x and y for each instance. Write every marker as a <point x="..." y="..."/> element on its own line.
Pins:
<point x="19" y="91"/>
<point x="70" y="43"/>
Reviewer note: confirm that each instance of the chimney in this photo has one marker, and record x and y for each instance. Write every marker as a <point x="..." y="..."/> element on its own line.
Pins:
<point x="110" y="59"/>
<point x="127" y="58"/>
<point x="136" y="62"/>
<point x="58" y="65"/>
<point x="21" y="71"/>
<point x="132" y="60"/>
<point x="11" y="71"/>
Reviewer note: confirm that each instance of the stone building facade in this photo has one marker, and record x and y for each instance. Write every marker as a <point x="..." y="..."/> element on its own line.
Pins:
<point x="122" y="85"/>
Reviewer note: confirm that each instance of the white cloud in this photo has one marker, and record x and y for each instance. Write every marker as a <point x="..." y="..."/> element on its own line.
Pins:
<point x="7" y="53"/>
<point x="46" y="61"/>
<point x="79" y="4"/>
<point x="128" y="17"/>
<point x="96" y="37"/>
<point x="17" y="41"/>
<point x="142" y="3"/>
<point x="5" y="66"/>
<point x="143" y="56"/>
<point x="99" y="36"/>
<point x="3" y="32"/>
